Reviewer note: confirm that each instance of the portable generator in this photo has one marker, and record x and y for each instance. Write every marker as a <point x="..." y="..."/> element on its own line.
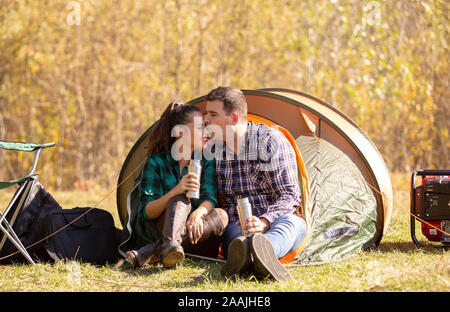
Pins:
<point x="430" y="205"/>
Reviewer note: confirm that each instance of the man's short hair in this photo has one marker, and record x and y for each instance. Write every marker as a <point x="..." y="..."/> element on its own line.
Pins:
<point x="233" y="100"/>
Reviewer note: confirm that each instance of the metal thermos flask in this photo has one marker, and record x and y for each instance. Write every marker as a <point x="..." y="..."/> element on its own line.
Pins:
<point x="196" y="168"/>
<point x="244" y="209"/>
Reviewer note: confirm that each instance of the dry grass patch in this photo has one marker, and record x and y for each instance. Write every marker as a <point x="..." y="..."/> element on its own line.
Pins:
<point x="396" y="265"/>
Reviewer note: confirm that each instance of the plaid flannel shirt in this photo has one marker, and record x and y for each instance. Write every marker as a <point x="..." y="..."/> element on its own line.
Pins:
<point x="265" y="170"/>
<point x="161" y="173"/>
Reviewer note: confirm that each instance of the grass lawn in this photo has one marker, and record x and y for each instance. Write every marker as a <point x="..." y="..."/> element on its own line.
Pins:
<point x="396" y="265"/>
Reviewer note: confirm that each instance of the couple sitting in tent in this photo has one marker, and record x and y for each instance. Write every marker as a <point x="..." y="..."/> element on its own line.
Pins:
<point x="171" y="225"/>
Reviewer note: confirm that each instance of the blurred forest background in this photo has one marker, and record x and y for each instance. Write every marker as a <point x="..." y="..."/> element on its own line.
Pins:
<point x="92" y="76"/>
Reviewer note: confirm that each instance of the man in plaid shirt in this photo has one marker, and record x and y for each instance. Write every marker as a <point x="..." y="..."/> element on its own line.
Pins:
<point x="257" y="162"/>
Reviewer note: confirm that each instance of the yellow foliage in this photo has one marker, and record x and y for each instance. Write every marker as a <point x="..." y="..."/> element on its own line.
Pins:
<point x="95" y="87"/>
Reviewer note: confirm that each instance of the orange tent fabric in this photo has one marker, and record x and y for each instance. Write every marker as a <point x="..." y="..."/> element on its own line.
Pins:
<point x="305" y="211"/>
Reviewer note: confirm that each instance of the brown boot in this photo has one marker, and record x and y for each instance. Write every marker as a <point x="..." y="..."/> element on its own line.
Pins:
<point x="138" y="258"/>
<point x="208" y="244"/>
<point x="176" y="214"/>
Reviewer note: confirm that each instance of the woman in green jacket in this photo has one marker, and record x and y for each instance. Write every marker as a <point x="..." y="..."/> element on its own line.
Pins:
<point x="169" y="223"/>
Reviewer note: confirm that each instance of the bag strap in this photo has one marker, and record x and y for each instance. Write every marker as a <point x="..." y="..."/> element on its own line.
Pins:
<point x="87" y="217"/>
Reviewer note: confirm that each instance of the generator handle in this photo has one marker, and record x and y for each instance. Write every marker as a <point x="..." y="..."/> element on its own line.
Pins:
<point x="423" y="172"/>
<point x="432" y="172"/>
<point x="426" y="172"/>
<point x="412" y="203"/>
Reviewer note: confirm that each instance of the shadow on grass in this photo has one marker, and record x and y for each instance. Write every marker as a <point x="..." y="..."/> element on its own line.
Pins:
<point x="197" y="272"/>
<point x="148" y="270"/>
<point x="411" y="248"/>
<point x="208" y="271"/>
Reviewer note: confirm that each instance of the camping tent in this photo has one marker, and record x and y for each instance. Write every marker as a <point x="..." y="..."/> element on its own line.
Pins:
<point x="346" y="188"/>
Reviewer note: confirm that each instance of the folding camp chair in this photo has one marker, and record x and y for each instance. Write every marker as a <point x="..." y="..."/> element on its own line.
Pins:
<point x="9" y="215"/>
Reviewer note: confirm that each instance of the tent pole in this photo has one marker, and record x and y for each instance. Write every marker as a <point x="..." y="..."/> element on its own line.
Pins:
<point x="205" y="258"/>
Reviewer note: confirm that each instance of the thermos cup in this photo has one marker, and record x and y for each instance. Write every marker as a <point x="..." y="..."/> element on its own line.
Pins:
<point x="244" y="209"/>
<point x="196" y="168"/>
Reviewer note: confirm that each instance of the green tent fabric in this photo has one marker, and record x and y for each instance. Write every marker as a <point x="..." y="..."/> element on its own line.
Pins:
<point x="344" y="219"/>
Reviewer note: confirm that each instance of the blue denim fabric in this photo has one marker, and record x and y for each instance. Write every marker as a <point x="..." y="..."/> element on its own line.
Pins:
<point x="285" y="234"/>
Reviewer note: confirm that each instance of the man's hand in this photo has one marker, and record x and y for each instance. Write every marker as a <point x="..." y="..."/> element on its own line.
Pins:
<point x="194" y="223"/>
<point x="194" y="226"/>
<point x="256" y="225"/>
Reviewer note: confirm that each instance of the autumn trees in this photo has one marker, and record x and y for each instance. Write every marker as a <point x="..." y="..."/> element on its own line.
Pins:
<point x="94" y="84"/>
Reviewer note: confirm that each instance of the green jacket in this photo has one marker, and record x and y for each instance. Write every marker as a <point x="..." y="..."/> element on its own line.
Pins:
<point x="160" y="174"/>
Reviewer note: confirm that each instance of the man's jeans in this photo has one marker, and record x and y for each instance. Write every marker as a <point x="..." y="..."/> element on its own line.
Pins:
<point x="285" y="234"/>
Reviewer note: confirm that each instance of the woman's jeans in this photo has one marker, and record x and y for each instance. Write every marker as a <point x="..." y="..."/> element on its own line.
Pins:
<point x="285" y="234"/>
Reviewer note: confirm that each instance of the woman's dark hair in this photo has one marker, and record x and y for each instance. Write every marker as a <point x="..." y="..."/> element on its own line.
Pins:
<point x="177" y="113"/>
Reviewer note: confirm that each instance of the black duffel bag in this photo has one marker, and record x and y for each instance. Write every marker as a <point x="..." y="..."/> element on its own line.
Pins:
<point x="91" y="238"/>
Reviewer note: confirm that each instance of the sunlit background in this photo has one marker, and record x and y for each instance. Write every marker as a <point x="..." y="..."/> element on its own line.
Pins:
<point x="93" y="75"/>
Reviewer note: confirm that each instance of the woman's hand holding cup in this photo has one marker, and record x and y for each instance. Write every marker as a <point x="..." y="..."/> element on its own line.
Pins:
<point x="189" y="182"/>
